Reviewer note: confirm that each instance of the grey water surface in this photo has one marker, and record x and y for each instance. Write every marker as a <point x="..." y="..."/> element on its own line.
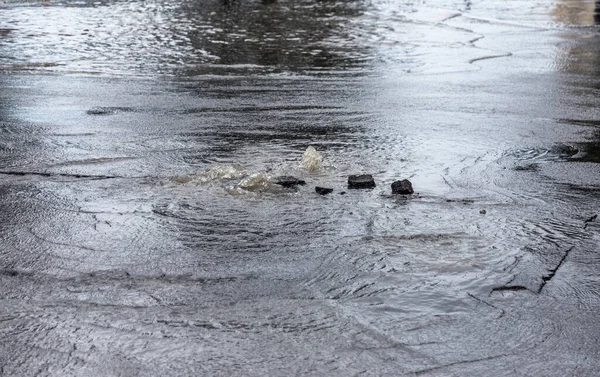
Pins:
<point x="133" y="244"/>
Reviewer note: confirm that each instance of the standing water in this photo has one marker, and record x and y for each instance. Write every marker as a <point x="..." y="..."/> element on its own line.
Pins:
<point x="143" y="234"/>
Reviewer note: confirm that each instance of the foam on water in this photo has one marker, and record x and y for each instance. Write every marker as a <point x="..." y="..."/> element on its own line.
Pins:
<point x="256" y="184"/>
<point x="311" y="160"/>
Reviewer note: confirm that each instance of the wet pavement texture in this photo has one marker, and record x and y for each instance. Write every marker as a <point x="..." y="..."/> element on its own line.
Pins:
<point x="142" y="233"/>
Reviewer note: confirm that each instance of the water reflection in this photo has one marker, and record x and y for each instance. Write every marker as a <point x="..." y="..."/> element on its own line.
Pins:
<point x="183" y="37"/>
<point x="576" y="12"/>
<point x="229" y="37"/>
<point x="276" y="34"/>
<point x="580" y="54"/>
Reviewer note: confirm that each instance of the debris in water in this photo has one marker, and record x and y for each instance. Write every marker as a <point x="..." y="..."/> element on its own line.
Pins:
<point x="403" y="187"/>
<point x="483" y="212"/>
<point x="311" y="160"/>
<point x="288" y="181"/>
<point x="362" y="181"/>
<point x="323" y="190"/>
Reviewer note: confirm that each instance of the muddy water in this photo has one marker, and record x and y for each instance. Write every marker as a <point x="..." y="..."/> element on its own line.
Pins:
<point x="142" y="234"/>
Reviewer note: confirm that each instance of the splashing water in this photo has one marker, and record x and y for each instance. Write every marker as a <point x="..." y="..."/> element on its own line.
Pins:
<point x="219" y="173"/>
<point x="215" y="174"/>
<point x="311" y="160"/>
<point x="255" y="182"/>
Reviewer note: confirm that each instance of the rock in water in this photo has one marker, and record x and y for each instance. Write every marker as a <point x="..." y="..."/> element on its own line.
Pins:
<point x="288" y="181"/>
<point x="403" y="187"/>
<point x="311" y="160"/>
<point x="323" y="190"/>
<point x="363" y="181"/>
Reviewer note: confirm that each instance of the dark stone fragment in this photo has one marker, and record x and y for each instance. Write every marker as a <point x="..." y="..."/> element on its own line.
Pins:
<point x="363" y="181"/>
<point x="288" y="181"/>
<point x="403" y="187"/>
<point x="323" y="190"/>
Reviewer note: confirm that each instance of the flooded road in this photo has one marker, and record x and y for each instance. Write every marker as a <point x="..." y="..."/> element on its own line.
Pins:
<point x="142" y="233"/>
